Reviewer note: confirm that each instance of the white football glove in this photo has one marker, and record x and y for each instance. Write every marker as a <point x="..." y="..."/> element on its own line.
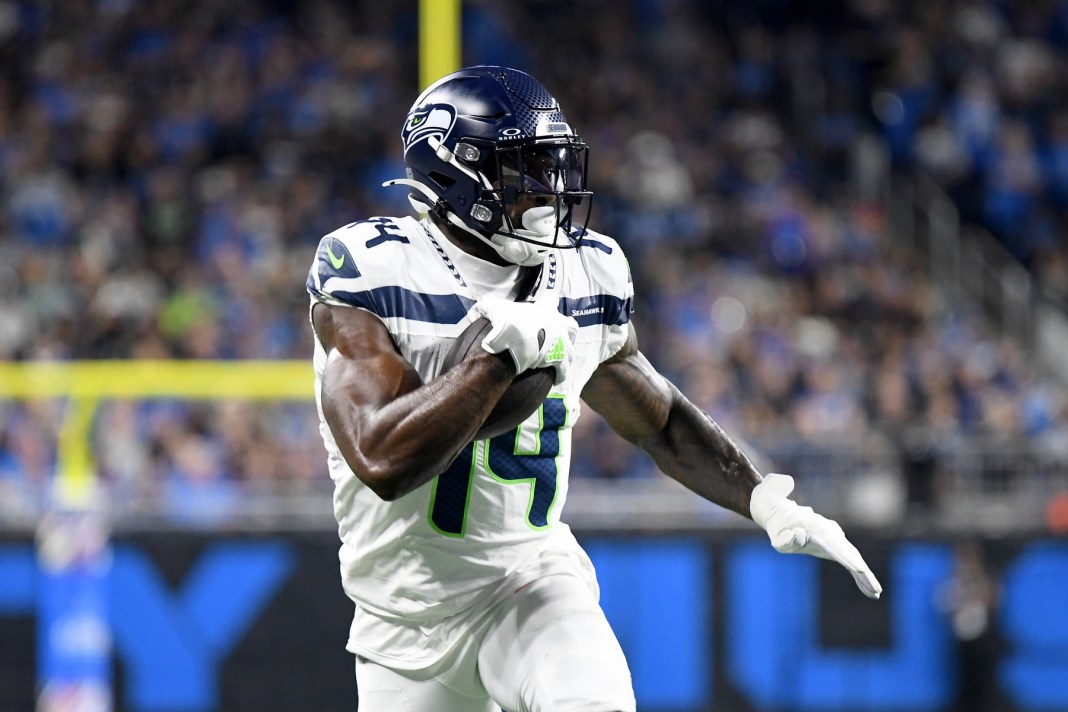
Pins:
<point x="534" y="333"/>
<point x="794" y="529"/>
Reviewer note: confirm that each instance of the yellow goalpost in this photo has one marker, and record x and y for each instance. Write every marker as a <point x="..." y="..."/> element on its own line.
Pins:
<point x="86" y="383"/>
<point x="72" y="550"/>
<point x="439" y="39"/>
<point x="77" y="583"/>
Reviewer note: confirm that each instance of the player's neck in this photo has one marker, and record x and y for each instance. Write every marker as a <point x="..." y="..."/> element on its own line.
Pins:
<point x="470" y="244"/>
<point x="483" y="277"/>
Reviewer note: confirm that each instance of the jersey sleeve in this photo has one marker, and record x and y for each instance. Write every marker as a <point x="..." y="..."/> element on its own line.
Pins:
<point x="612" y="302"/>
<point x="355" y="263"/>
<point x="335" y="277"/>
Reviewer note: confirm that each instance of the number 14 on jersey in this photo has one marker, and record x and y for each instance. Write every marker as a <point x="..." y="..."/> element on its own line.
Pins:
<point x="526" y="456"/>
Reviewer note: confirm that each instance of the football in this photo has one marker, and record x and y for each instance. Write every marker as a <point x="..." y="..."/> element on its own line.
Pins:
<point x="522" y="398"/>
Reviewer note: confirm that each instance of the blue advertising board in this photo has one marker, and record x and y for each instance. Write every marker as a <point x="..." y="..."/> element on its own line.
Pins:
<point x="199" y="623"/>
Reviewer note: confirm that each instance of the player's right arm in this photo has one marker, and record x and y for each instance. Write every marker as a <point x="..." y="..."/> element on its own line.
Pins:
<point x="394" y="431"/>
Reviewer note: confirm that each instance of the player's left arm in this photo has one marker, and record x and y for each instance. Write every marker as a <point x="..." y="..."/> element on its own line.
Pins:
<point x="689" y="446"/>
<point x="648" y="410"/>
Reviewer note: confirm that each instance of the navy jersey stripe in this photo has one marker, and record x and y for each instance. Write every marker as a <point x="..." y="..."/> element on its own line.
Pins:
<point x="590" y="242"/>
<point x="598" y="309"/>
<point x="310" y="284"/>
<point x="404" y="303"/>
<point x="452" y="308"/>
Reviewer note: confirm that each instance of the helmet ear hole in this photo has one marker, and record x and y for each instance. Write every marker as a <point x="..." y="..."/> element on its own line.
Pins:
<point x="441" y="179"/>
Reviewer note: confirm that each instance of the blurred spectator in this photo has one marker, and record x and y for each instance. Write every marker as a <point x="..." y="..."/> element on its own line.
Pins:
<point x="970" y="599"/>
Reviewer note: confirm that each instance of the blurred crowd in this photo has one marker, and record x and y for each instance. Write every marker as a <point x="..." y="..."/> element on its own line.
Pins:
<point x="167" y="168"/>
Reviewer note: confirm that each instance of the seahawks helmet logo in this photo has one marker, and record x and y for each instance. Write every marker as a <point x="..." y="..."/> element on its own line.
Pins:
<point x="434" y="120"/>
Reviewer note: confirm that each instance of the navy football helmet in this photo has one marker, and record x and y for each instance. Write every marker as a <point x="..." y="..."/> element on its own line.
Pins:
<point x="488" y="150"/>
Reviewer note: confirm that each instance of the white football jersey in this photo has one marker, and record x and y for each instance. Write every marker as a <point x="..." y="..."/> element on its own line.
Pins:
<point x="445" y="547"/>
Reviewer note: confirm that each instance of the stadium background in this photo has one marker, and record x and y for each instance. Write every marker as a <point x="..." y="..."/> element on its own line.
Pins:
<point x="847" y="226"/>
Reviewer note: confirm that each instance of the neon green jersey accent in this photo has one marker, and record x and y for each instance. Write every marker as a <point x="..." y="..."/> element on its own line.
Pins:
<point x="334" y="259"/>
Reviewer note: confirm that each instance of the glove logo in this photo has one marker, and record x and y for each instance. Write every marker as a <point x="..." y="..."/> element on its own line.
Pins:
<point x="557" y="352"/>
<point x="434" y="120"/>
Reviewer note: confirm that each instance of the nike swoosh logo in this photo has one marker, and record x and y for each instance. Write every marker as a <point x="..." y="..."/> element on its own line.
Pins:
<point x="334" y="260"/>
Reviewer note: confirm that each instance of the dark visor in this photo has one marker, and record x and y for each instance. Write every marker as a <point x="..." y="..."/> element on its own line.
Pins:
<point x="544" y="168"/>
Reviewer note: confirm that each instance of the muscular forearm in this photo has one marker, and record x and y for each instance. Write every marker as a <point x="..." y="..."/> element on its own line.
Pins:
<point x="694" y="450"/>
<point x="649" y="411"/>
<point x="414" y="436"/>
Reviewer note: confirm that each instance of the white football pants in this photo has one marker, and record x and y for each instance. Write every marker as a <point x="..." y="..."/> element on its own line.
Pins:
<point x="547" y="647"/>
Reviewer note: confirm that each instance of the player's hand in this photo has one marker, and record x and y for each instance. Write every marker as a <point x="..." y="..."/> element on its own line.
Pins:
<point x="794" y="529"/>
<point x="535" y="334"/>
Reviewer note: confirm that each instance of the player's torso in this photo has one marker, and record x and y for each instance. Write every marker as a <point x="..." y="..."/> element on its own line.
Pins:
<point x="499" y="502"/>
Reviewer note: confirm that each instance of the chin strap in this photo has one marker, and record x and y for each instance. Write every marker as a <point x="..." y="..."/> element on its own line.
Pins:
<point x="510" y="249"/>
<point x="419" y="205"/>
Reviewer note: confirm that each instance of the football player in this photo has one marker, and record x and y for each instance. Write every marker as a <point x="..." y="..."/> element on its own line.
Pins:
<point x="470" y="592"/>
